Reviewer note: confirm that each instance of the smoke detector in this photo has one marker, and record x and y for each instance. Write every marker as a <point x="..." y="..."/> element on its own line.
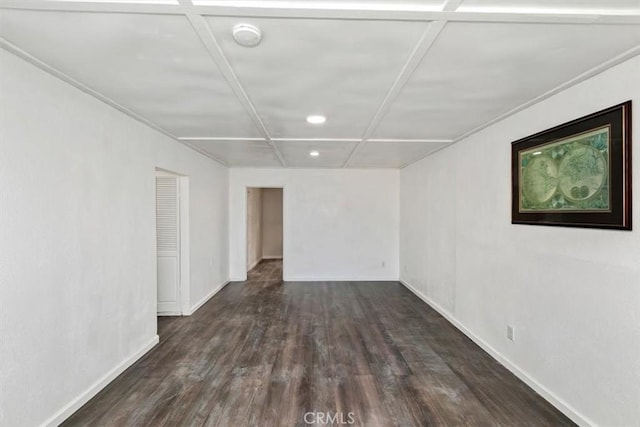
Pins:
<point x="247" y="35"/>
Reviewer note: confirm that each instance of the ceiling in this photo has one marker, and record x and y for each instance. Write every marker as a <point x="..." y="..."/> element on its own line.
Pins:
<point x="396" y="79"/>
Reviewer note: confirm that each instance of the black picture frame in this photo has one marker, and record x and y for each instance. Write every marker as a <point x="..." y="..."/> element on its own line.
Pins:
<point x="577" y="174"/>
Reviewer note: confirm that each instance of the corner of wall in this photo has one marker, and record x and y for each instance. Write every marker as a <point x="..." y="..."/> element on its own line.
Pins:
<point x="560" y="404"/>
<point x="206" y="298"/>
<point x="101" y="383"/>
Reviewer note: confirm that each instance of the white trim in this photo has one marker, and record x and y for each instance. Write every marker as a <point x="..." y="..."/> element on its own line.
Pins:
<point x="245" y="218"/>
<point x="272" y="257"/>
<point x="341" y="279"/>
<point x="185" y="247"/>
<point x="401" y="141"/>
<point x="451" y="5"/>
<point x="204" y="152"/>
<point x="425" y="43"/>
<point x="389" y="11"/>
<point x="317" y="167"/>
<point x="93" y="6"/>
<point x="203" y="31"/>
<point x="184" y="255"/>
<point x="410" y="162"/>
<point x="547" y="394"/>
<point x="256" y="262"/>
<point x="436" y="18"/>
<point x="285" y="228"/>
<point x="598" y="69"/>
<point x="22" y="54"/>
<point x="244" y="232"/>
<point x="97" y="386"/>
<point x="217" y="139"/>
<point x="320" y="140"/>
<point x="427" y="40"/>
<point x="206" y="298"/>
<point x="169" y="313"/>
<point x="10" y="47"/>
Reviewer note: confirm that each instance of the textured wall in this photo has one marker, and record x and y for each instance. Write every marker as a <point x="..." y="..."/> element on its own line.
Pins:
<point x="272" y="223"/>
<point x="338" y="224"/>
<point x="573" y="295"/>
<point x="77" y="239"/>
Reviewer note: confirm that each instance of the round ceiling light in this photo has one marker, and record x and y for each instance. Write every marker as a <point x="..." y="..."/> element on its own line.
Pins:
<point x="314" y="153"/>
<point x="316" y="120"/>
<point x="247" y="35"/>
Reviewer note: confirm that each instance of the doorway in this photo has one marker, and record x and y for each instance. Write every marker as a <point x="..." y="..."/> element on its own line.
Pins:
<point x="264" y="233"/>
<point x="172" y="243"/>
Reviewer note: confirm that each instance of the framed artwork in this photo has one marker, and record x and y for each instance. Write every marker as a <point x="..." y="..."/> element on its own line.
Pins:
<point x="577" y="174"/>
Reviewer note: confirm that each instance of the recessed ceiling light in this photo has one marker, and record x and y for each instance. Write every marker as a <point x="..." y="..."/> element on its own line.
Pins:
<point x="247" y="35"/>
<point x="316" y="119"/>
<point x="314" y="153"/>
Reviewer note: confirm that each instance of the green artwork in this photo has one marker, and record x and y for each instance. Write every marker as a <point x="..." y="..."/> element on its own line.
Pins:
<point x="571" y="174"/>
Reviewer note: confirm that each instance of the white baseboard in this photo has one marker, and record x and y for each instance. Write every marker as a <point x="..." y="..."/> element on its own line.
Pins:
<point x="256" y="262"/>
<point x="169" y="313"/>
<point x="561" y="405"/>
<point x="272" y="257"/>
<point x="206" y="298"/>
<point x="339" y="279"/>
<point x="327" y="279"/>
<point x="85" y="396"/>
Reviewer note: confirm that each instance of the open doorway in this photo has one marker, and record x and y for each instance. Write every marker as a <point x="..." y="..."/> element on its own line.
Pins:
<point x="264" y="234"/>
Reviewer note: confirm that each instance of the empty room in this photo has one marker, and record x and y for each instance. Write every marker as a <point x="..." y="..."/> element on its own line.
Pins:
<point x="319" y="213"/>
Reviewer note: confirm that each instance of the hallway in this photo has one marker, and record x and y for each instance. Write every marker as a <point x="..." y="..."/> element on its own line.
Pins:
<point x="266" y="270"/>
<point x="265" y="353"/>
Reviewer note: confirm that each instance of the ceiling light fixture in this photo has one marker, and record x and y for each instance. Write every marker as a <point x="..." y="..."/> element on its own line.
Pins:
<point x="316" y="119"/>
<point x="247" y="35"/>
<point x="314" y="153"/>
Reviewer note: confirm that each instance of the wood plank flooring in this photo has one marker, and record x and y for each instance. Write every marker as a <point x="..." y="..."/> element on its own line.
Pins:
<point x="268" y="353"/>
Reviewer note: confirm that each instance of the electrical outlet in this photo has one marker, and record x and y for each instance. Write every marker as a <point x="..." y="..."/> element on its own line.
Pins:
<point x="511" y="333"/>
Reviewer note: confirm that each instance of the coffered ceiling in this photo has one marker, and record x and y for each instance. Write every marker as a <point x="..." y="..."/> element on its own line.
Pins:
<point x="396" y="80"/>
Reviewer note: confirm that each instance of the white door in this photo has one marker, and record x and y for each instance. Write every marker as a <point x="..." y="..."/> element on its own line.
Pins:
<point x="168" y="244"/>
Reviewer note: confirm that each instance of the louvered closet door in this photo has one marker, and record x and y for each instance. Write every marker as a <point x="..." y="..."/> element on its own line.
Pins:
<point x="168" y="244"/>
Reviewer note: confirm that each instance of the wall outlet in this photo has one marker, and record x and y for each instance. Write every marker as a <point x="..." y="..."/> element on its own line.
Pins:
<point x="511" y="333"/>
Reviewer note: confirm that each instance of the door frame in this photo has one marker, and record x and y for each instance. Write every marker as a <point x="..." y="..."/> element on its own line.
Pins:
<point x="183" y="242"/>
<point x="185" y="252"/>
<point x="245" y="212"/>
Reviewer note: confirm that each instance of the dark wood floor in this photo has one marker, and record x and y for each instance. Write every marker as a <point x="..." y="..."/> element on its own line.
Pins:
<point x="267" y="270"/>
<point x="265" y="353"/>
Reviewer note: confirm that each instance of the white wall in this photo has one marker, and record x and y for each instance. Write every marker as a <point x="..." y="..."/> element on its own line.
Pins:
<point x="272" y="223"/>
<point x="573" y="295"/>
<point x="338" y="224"/>
<point x="77" y="241"/>
<point x="254" y="227"/>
